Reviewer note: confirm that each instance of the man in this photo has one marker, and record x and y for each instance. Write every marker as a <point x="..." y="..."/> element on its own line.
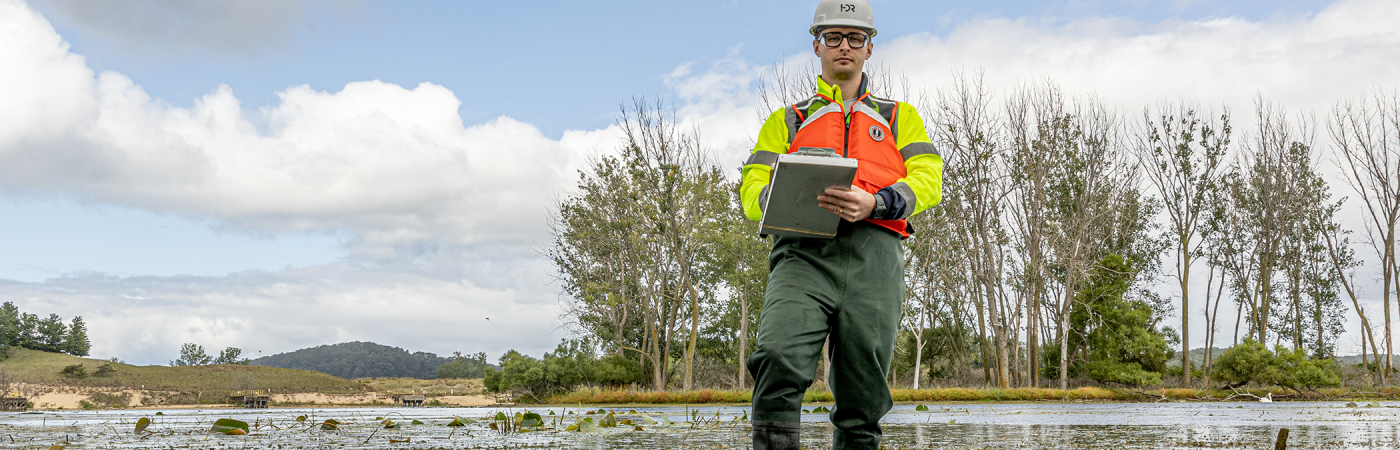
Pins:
<point x="851" y="287"/>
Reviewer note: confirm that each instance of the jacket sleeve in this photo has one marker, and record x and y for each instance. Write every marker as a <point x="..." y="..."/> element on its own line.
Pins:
<point x="772" y="141"/>
<point x="922" y="185"/>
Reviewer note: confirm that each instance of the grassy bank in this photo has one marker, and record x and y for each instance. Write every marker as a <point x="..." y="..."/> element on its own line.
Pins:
<point x="179" y="385"/>
<point x="598" y="396"/>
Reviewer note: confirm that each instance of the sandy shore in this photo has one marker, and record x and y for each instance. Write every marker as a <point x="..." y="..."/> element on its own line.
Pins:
<point x="69" y="398"/>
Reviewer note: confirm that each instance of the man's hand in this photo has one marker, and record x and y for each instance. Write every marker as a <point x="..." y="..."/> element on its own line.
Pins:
<point x="852" y="205"/>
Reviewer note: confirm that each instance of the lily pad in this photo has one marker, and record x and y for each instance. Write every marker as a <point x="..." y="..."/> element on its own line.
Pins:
<point x="389" y="424"/>
<point x="142" y="424"/>
<point x="531" y="420"/>
<point x="638" y="428"/>
<point x="400" y="441"/>
<point x="571" y="428"/>
<point x="416" y="422"/>
<point x="330" y="425"/>
<point x="458" y="421"/>
<point x="608" y="421"/>
<point x="501" y="416"/>
<point x="588" y="427"/>
<point x="301" y="418"/>
<point x="227" y="426"/>
<point x="921" y="408"/>
<point x="648" y="420"/>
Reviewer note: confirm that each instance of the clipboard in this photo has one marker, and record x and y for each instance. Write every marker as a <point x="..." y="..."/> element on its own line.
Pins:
<point x="791" y="207"/>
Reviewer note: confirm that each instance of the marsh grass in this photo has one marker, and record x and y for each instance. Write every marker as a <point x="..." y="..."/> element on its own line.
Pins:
<point x="604" y="396"/>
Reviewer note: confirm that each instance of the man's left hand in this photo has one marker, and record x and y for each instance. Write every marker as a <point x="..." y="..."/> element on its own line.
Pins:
<point x="852" y="205"/>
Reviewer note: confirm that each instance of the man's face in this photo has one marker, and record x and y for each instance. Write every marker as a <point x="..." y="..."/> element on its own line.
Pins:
<point x="842" y="62"/>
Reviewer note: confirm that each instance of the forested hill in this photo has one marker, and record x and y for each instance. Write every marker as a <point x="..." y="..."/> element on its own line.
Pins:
<point x="358" y="360"/>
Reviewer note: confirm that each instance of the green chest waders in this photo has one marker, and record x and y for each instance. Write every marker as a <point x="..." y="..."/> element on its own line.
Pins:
<point x="851" y="288"/>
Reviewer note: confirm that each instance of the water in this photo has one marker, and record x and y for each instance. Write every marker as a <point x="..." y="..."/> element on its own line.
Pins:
<point x="1118" y="426"/>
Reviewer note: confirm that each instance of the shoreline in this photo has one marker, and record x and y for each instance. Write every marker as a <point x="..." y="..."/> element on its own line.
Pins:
<point x="66" y="398"/>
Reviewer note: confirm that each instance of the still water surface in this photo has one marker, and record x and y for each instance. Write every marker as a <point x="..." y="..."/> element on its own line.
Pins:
<point x="1313" y="425"/>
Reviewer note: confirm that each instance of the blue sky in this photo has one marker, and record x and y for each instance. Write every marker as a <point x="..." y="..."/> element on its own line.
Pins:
<point x="232" y="217"/>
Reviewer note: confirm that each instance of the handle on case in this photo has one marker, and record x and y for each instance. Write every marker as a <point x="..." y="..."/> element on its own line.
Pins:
<point x="816" y="151"/>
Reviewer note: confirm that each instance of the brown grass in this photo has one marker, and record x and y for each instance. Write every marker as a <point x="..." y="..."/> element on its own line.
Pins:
<point x="603" y="396"/>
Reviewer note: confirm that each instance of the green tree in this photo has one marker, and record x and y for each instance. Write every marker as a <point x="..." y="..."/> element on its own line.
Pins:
<point x="50" y="334"/>
<point x="230" y="356"/>
<point x="459" y="366"/>
<point x="9" y="328"/>
<point x="76" y="341"/>
<point x="1115" y="337"/>
<point x="192" y="355"/>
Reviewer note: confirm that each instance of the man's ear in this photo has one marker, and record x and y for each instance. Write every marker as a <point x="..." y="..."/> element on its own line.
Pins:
<point x="816" y="50"/>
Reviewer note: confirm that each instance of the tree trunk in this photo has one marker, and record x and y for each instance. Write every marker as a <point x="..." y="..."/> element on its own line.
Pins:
<point x="1064" y="337"/>
<point x="743" y="338"/>
<point x="694" y="330"/>
<point x="918" y="355"/>
<point x="1185" y="314"/>
<point x="1389" y="260"/>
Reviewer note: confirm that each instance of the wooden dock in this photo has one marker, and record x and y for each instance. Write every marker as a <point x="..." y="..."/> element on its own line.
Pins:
<point x="411" y="401"/>
<point x="14" y="404"/>
<point x="249" y="401"/>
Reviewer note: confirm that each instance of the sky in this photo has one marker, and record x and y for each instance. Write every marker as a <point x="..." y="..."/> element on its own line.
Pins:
<point x="279" y="174"/>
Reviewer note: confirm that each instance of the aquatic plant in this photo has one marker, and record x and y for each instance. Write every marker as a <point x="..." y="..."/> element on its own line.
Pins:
<point x="229" y="426"/>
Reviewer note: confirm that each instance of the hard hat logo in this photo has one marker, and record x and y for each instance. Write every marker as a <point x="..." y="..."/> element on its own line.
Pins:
<point x="843" y="13"/>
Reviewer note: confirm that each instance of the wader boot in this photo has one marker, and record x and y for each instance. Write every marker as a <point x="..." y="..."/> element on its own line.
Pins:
<point x="776" y="436"/>
<point x="851" y="287"/>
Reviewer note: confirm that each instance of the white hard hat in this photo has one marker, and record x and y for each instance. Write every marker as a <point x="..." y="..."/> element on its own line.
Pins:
<point x="844" y="13"/>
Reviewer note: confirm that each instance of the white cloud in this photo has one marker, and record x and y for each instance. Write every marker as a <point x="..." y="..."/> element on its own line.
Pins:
<point x="165" y="28"/>
<point x="440" y="218"/>
<point x="1299" y="61"/>
<point x="144" y="319"/>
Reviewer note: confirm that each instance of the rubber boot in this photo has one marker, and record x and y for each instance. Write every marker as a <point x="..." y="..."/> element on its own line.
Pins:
<point x="776" y="435"/>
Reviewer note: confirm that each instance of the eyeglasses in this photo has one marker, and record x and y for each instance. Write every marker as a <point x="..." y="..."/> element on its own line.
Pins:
<point x="833" y="39"/>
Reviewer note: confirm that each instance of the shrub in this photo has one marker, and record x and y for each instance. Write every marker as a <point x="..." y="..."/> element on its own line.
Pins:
<point x="104" y="370"/>
<point x="74" y="371"/>
<point x="1252" y="362"/>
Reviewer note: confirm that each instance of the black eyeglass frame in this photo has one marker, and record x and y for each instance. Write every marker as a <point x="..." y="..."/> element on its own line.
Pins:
<point x="846" y="37"/>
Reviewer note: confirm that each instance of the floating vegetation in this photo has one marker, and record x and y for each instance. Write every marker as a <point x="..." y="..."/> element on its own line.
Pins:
<point x="229" y="426"/>
<point x="1327" y="425"/>
<point x="141" y="425"/>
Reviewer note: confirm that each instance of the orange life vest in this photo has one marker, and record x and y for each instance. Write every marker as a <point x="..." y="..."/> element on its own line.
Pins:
<point x="867" y="138"/>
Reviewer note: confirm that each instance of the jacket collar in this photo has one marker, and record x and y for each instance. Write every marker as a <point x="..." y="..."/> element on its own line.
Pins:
<point x="831" y="91"/>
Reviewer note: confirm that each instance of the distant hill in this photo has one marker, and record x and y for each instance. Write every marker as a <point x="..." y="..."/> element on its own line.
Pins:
<point x="171" y="385"/>
<point x="358" y="360"/>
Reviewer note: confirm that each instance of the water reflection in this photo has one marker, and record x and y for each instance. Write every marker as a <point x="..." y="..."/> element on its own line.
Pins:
<point x="1322" y="425"/>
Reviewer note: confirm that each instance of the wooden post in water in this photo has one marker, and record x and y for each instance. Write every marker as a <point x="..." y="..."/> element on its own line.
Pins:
<point x="1282" y="442"/>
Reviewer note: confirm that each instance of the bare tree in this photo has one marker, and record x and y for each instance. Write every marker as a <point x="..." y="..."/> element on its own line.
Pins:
<point x="1366" y="132"/>
<point x="964" y="127"/>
